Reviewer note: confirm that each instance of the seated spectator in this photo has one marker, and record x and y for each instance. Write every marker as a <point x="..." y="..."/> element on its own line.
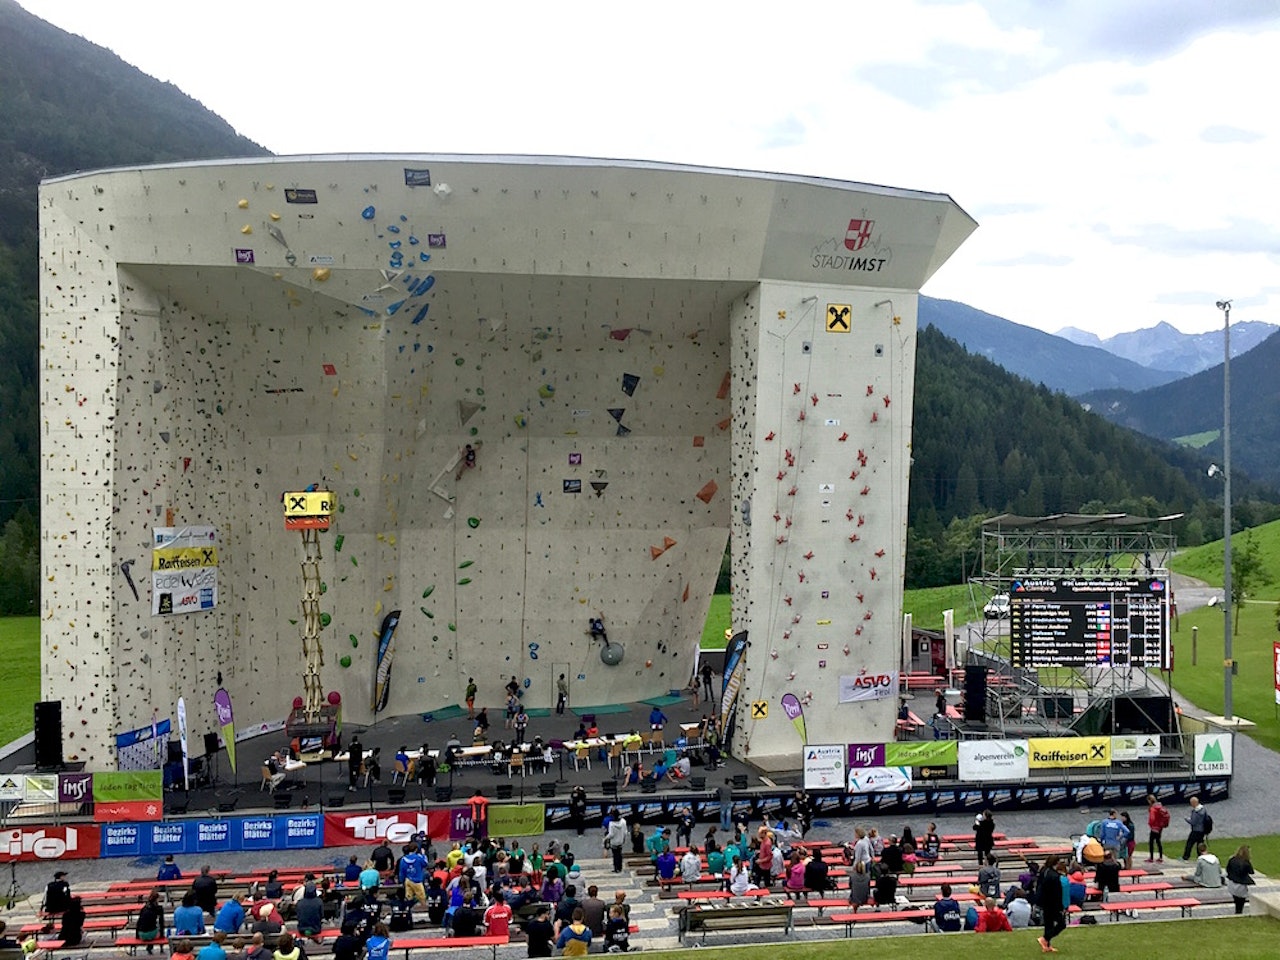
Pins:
<point x="1208" y="872"/>
<point x="946" y="912"/>
<point x="214" y="949"/>
<point x="635" y="773"/>
<point x="310" y="914"/>
<point x="891" y="856"/>
<point x="182" y="951"/>
<point x="466" y="918"/>
<point x="690" y="866"/>
<point x="1077" y="888"/>
<point x="168" y="870"/>
<point x="552" y="888"/>
<point x="1106" y="876"/>
<point x="817" y="875"/>
<point x="991" y="919"/>
<point x="497" y="919"/>
<point x="659" y="769"/>
<point x="715" y="861"/>
<point x="617" y="931"/>
<point x="71" y="931"/>
<point x="680" y="769"/>
<point x="188" y="919"/>
<point x="268" y="921"/>
<point x="1019" y="909"/>
<point x="575" y="937"/>
<point x="666" y="865"/>
<point x="795" y="874"/>
<point x="231" y="914"/>
<point x="351" y="874"/>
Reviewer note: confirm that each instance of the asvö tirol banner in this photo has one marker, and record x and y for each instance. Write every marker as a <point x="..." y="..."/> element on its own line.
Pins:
<point x="824" y="766"/>
<point x="993" y="759"/>
<point x="880" y="780"/>
<point x="865" y="685"/>
<point x="184" y="569"/>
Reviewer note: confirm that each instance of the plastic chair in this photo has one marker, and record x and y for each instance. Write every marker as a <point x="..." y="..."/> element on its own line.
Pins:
<point x="399" y="773"/>
<point x="515" y="763"/>
<point x="582" y="753"/>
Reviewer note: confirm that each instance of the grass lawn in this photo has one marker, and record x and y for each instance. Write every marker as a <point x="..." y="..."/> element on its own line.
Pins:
<point x="1225" y="938"/>
<point x="20" y="641"/>
<point x="926" y="606"/>
<point x="718" y="620"/>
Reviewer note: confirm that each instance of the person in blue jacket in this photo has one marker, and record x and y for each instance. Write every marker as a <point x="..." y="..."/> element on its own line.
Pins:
<point x="657" y="718"/>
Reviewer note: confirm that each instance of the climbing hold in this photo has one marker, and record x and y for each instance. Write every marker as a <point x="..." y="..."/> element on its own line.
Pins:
<point x="368" y="213"/>
<point x="345" y="662"/>
<point x="355" y="642"/>
<point x="708" y="491"/>
<point x="337" y="543"/>
<point x="453" y="628"/>
<point x="629" y="383"/>
<point x="473" y="522"/>
<point x="521" y="420"/>
<point x="242" y="203"/>
<point x="464" y="564"/>
<point x="246" y="229"/>
<point x="655" y="553"/>
<point x="427" y="592"/>
<point x="464" y="581"/>
<point x="699" y="441"/>
<point x="667" y="543"/>
<point x="325" y="619"/>
<point x="546" y="391"/>
<point x="320" y="274"/>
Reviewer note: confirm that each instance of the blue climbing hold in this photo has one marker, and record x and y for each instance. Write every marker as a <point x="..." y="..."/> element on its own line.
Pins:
<point x="393" y="229"/>
<point x="418" y="318"/>
<point x="368" y="213"/>
<point x="403" y="218"/>
<point x="393" y="307"/>
<point x="394" y="244"/>
<point x="424" y="257"/>
<point x="427" y="283"/>
<point x="413" y="241"/>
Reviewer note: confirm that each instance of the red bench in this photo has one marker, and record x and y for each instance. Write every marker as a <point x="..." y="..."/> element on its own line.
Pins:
<point x="1158" y="888"/>
<point x="439" y="943"/>
<point x="871" y="916"/>
<point x="1117" y="907"/>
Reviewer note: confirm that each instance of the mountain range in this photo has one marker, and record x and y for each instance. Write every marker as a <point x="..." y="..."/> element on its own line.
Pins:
<point x="986" y="440"/>
<point x="1165" y="347"/>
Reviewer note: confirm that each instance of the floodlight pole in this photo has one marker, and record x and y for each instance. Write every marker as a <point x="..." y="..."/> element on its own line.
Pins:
<point x="1228" y="663"/>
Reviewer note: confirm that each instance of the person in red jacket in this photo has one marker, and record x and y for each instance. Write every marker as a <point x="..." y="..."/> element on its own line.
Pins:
<point x="1157" y="820"/>
<point x="991" y="919"/>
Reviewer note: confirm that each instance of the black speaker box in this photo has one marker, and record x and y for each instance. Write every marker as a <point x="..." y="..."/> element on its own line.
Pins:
<point x="48" y="733"/>
<point x="174" y="752"/>
<point x="210" y="744"/>
<point x="975" y="693"/>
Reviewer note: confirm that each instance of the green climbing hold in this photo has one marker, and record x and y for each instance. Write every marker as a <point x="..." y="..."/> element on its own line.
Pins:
<point x="345" y="661"/>
<point x="430" y="615"/>
<point x="473" y="522"/>
<point x="355" y="492"/>
<point x="459" y="362"/>
<point x="342" y="508"/>
<point x="325" y="619"/>
<point x="453" y="628"/>
<point x="425" y="610"/>
<point x="324" y="588"/>
<point x="479" y="391"/>
<point x="355" y="562"/>
<point x="545" y="391"/>
<point x="294" y="622"/>
<point x="220" y="408"/>
<point x="464" y="581"/>
<point x="428" y="592"/>
<point x="474" y="431"/>
<point x="464" y="564"/>
<point x="337" y="543"/>
<point x="354" y="641"/>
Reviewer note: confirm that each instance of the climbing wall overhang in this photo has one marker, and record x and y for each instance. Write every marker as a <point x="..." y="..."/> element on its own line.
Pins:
<point x="216" y="334"/>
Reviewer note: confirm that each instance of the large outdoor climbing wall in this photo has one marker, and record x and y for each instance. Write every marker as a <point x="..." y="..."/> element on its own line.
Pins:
<point x="522" y="380"/>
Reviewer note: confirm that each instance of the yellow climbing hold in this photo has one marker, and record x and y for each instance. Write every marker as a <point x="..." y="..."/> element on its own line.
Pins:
<point x="246" y="229"/>
<point x="273" y="215"/>
<point x="320" y="274"/>
<point x="659" y="371"/>
<point x="335" y="391"/>
<point x="242" y="203"/>
<point x="352" y="455"/>
<point x="392" y="540"/>
<point x="377" y="608"/>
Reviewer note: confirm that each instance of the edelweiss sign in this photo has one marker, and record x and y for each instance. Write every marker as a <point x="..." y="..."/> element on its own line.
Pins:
<point x="868" y="686"/>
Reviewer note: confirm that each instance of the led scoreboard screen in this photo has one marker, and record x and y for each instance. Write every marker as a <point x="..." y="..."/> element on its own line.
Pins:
<point x="1089" y="621"/>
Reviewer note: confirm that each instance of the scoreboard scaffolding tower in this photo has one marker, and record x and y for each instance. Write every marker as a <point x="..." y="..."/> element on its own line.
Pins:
<point x="309" y="512"/>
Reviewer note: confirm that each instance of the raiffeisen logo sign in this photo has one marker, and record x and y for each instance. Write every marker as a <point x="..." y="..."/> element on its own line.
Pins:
<point x="860" y="250"/>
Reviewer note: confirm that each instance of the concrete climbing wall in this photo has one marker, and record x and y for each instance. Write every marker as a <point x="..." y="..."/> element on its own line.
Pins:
<point x="613" y="340"/>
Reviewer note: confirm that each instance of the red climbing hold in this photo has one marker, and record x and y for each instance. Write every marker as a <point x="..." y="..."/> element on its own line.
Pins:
<point x="708" y="491"/>
<point x="777" y="517"/>
<point x="867" y="615"/>
<point x="770" y="436"/>
<point x="886" y="399"/>
<point x="865" y="490"/>
<point x="861" y="519"/>
<point x="874" y="416"/>
<point x="814" y="398"/>
<point x="843" y="437"/>
<point x="787" y="601"/>
<point x="853" y="474"/>
<point x="870" y="389"/>
<point x="880" y="552"/>
<point x="781" y="474"/>
<point x="859" y="596"/>
<point x="873" y="573"/>
<point x="848" y="515"/>
<point x="801" y="576"/>
<point x="809" y="555"/>
<point x="795" y="389"/>
<point x="791" y="492"/>
<point x="801" y="417"/>
<point x="854" y="538"/>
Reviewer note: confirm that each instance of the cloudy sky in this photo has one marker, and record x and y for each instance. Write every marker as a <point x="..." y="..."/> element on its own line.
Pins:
<point x="1121" y="156"/>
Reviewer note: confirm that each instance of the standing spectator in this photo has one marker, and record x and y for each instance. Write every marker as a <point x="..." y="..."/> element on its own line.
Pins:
<point x="562" y="693"/>
<point x="984" y="830"/>
<point x="205" y="889"/>
<point x="1112" y="834"/>
<point x="989" y="877"/>
<point x="1196" y="821"/>
<point x="1131" y="840"/>
<point x="578" y="808"/>
<point x="616" y="838"/>
<point x="707" y="673"/>
<point x="540" y="933"/>
<point x="939" y="702"/>
<point x="1240" y="876"/>
<point x="355" y="757"/>
<point x="1054" y="897"/>
<point x="522" y="726"/>
<point x="412" y="872"/>
<point x="1106" y="876"/>
<point x="1157" y="820"/>
<point x="724" y="795"/>
<point x="684" y="826"/>
<point x="466" y="918"/>
<point x="57" y="895"/>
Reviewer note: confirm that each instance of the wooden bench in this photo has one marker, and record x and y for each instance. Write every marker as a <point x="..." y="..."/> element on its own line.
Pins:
<point x="440" y="943"/>
<point x="1159" y="888"/>
<point x="918" y="915"/>
<point x="735" y="916"/>
<point x="909" y="725"/>
<point x="1117" y="907"/>
<point x="131" y="944"/>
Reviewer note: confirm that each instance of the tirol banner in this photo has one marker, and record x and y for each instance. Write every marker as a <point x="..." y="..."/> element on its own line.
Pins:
<point x="49" y="843"/>
<point x="880" y="780"/>
<point x="226" y="724"/>
<point x="398" y="827"/>
<point x="920" y="753"/>
<point x="133" y="795"/>
<point x="993" y="759"/>
<point x="865" y="685"/>
<point x="824" y="766"/>
<point x="516" y="820"/>
<point x="1047" y="752"/>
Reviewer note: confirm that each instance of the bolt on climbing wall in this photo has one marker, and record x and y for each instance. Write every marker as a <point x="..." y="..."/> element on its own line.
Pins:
<point x="539" y="391"/>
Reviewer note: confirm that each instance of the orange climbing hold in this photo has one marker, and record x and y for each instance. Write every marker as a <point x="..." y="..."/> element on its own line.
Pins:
<point x="655" y="552"/>
<point x="708" y="491"/>
<point x="667" y="543"/>
<point x="685" y="597"/>
<point x="724" y="424"/>
<point x="723" y="392"/>
<point x="699" y="441"/>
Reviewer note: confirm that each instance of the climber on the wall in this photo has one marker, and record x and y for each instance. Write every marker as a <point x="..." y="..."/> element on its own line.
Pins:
<point x="597" y="629"/>
<point x="467" y="461"/>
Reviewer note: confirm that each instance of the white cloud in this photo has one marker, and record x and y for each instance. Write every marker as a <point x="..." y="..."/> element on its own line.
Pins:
<point x="1114" y="153"/>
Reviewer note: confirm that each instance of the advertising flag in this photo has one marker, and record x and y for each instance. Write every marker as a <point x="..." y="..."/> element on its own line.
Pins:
<point x="182" y="737"/>
<point x="386" y="654"/>
<point x="791" y="705"/>
<point x="226" y="724"/>
<point x="734" y="669"/>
